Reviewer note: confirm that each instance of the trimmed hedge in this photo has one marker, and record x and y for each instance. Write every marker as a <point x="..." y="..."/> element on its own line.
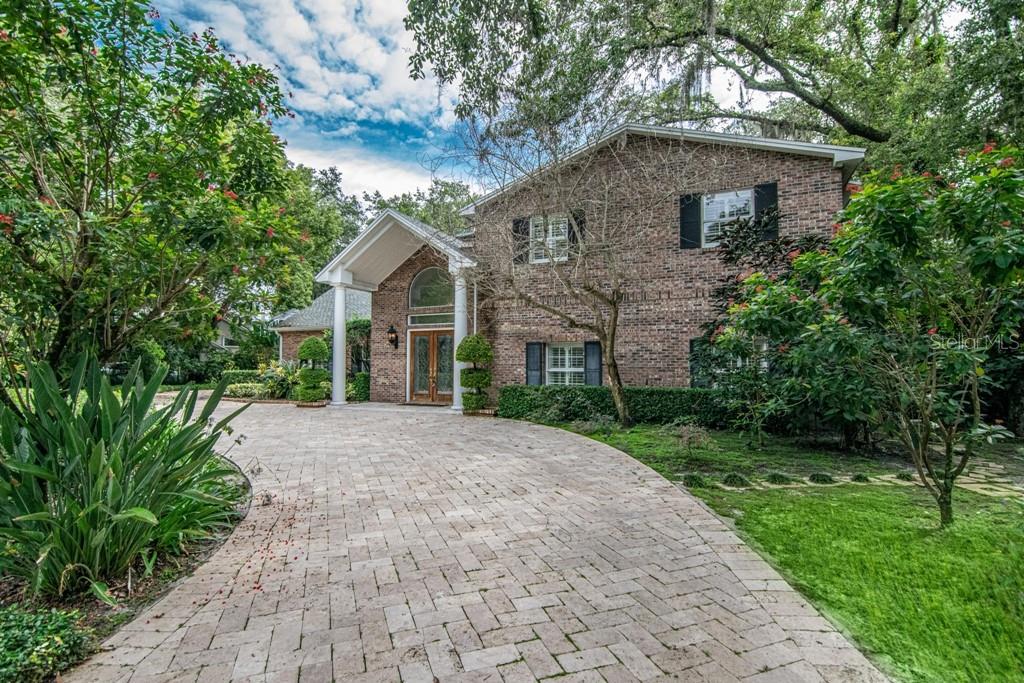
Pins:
<point x="240" y="376"/>
<point x="358" y="388"/>
<point x="244" y="390"/>
<point x="309" y="394"/>
<point x="655" y="405"/>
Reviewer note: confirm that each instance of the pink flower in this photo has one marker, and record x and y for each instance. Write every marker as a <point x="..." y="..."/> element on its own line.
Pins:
<point x="6" y="219"/>
<point x="152" y="176"/>
<point x="270" y="232"/>
<point x="230" y="195"/>
<point x="235" y="269"/>
<point x="783" y="348"/>
<point x="1005" y="163"/>
<point x="792" y="256"/>
<point x="989" y="146"/>
<point x="794" y="299"/>
<point x="932" y="330"/>
<point x="280" y="211"/>
<point x="211" y="187"/>
<point x="4" y="35"/>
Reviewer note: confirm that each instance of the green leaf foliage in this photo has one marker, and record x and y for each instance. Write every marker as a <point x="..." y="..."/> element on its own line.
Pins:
<point x="37" y="645"/>
<point x="358" y="387"/>
<point x="474" y="349"/>
<point x="475" y="378"/>
<point x="314" y="350"/>
<point x="93" y="476"/>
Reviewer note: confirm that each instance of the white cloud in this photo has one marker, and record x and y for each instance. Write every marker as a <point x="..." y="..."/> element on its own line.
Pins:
<point x="340" y="58"/>
<point x="363" y="171"/>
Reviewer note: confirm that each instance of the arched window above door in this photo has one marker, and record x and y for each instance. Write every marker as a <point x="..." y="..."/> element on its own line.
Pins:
<point x="431" y="287"/>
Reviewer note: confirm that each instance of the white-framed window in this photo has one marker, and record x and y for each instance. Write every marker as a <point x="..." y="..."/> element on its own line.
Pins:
<point x="565" y="365"/>
<point x="722" y="208"/>
<point x="549" y="238"/>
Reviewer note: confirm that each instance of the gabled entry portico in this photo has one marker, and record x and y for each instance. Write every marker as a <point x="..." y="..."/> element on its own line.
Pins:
<point x="395" y="242"/>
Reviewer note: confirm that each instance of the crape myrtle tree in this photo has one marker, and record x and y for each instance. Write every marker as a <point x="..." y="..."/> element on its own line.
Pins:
<point x="573" y="234"/>
<point x="916" y="301"/>
<point x="139" y="181"/>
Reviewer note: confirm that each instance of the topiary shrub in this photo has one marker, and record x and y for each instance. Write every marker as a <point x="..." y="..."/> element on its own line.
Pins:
<point x="358" y="387"/>
<point x="860" y="478"/>
<point x="695" y="480"/>
<point x="736" y="480"/>
<point x="778" y="478"/>
<point x="314" y="351"/>
<point x="821" y="478"/>
<point x="476" y="350"/>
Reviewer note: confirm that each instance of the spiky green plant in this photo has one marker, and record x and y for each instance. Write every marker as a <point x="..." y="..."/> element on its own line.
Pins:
<point x="93" y="479"/>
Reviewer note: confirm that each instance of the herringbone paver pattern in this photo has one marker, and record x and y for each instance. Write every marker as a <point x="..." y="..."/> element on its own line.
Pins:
<point x="412" y="544"/>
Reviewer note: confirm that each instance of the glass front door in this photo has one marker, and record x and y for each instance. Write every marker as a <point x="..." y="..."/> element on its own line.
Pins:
<point x="431" y="366"/>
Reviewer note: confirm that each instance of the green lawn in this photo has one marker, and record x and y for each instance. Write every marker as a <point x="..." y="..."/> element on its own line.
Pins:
<point x="926" y="605"/>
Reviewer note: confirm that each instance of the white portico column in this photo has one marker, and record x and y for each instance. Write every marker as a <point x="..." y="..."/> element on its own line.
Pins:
<point x="339" y="350"/>
<point x="461" y="325"/>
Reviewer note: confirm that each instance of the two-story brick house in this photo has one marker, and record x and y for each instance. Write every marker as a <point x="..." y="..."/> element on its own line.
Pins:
<point x="658" y="195"/>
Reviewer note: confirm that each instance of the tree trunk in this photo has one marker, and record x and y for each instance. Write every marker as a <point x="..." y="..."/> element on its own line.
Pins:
<point x="615" y="384"/>
<point x="946" y="506"/>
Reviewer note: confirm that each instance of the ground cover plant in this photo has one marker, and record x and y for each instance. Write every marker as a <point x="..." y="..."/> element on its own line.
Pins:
<point x="37" y="645"/>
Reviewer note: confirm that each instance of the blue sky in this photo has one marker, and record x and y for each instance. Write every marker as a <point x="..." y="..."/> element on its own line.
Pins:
<point x="346" y="65"/>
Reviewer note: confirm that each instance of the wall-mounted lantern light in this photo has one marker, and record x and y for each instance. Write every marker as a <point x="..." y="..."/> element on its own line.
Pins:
<point x="393" y="336"/>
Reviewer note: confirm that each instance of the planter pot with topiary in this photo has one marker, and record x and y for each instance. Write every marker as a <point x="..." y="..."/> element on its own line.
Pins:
<point x="314" y="382"/>
<point x="476" y="350"/>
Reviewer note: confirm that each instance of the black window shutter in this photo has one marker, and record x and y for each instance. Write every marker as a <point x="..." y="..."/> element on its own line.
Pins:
<point x="766" y="209"/>
<point x="577" y="228"/>
<point x="689" y="221"/>
<point x="535" y="363"/>
<point x="520" y="240"/>
<point x="592" y="374"/>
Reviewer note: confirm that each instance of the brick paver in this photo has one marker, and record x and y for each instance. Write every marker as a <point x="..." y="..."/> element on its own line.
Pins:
<point x="413" y="544"/>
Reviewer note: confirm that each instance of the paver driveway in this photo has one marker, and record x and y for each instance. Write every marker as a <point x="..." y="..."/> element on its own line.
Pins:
<point x="410" y="543"/>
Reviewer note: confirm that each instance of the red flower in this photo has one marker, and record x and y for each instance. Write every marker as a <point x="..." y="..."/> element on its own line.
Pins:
<point x="989" y="146"/>
<point x="1005" y="163"/>
<point x="46" y="200"/>
<point x="230" y="195"/>
<point x="4" y="35"/>
<point x="793" y="299"/>
<point x="1005" y="224"/>
<point x="793" y="254"/>
<point x="932" y="330"/>
<point x="896" y="175"/>
<point x="235" y="269"/>
<point x="201" y="174"/>
<point x="93" y="51"/>
<point x="926" y="174"/>
<point x="783" y="348"/>
<point x="218" y="317"/>
<point x="152" y="176"/>
<point x="836" y="227"/>
<point x="6" y="219"/>
<point x="853" y="187"/>
<point x="280" y="211"/>
<point x="270" y="232"/>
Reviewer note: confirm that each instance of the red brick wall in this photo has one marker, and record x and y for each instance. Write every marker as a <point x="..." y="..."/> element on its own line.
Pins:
<point x="669" y="299"/>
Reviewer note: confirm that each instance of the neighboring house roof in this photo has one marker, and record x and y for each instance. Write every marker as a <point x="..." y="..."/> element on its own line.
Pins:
<point x="384" y="244"/>
<point x="846" y="158"/>
<point x="319" y="315"/>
